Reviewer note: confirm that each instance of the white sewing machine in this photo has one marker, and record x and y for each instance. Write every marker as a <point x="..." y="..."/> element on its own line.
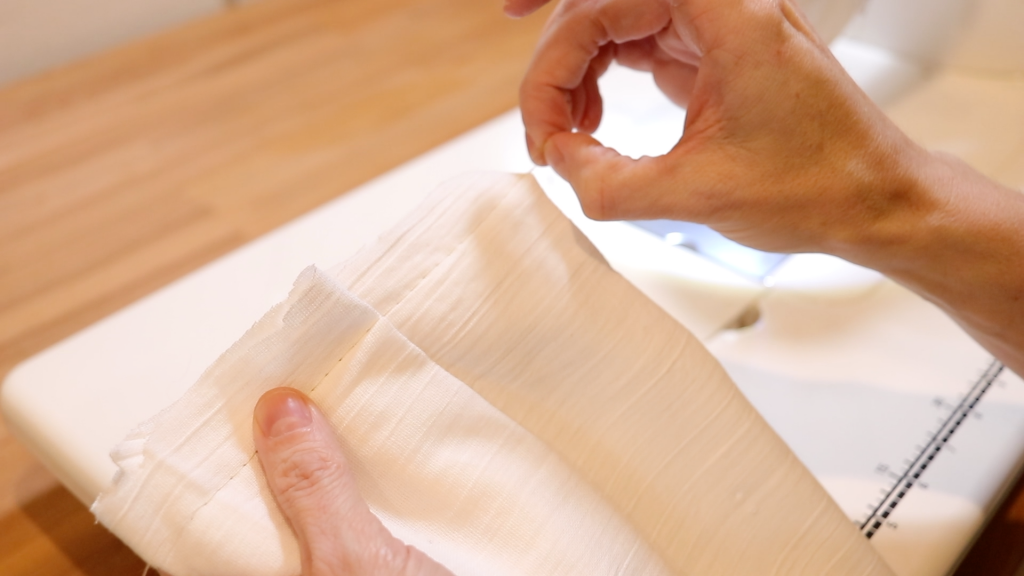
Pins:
<point x="863" y="379"/>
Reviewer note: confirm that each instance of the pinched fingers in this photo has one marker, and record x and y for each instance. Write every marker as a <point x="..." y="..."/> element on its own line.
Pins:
<point x="563" y="62"/>
<point x="520" y="8"/>
<point x="609" y="186"/>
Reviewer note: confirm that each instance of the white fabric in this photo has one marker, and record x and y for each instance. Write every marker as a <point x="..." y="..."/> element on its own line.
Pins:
<point x="510" y="406"/>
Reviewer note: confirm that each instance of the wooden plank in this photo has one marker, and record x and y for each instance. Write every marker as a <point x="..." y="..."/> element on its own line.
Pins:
<point x="123" y="172"/>
<point x="126" y="171"/>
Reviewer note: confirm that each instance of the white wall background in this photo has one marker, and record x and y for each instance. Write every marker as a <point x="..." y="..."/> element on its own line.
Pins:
<point x="37" y="35"/>
<point x="986" y="35"/>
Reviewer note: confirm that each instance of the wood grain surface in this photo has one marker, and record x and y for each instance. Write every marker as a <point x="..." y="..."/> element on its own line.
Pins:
<point x="124" y="172"/>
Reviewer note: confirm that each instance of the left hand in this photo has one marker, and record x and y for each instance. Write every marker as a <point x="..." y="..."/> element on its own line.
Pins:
<point x="313" y="484"/>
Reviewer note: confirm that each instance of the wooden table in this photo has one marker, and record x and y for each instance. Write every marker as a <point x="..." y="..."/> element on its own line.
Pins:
<point x="124" y="172"/>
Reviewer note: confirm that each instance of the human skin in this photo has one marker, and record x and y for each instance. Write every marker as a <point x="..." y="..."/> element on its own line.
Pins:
<point x="311" y="481"/>
<point x="781" y="151"/>
<point x="314" y="487"/>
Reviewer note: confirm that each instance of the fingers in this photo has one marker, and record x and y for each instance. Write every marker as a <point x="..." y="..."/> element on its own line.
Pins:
<point x="313" y="485"/>
<point x="521" y="8"/>
<point x="693" y="182"/>
<point x="609" y="186"/>
<point x="587" y="105"/>
<point x="677" y="42"/>
<point x="675" y="79"/>
<point x="572" y="41"/>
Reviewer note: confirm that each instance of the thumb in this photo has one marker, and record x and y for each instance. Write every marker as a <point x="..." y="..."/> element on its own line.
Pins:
<point x="611" y="186"/>
<point x="314" y="486"/>
<point x="521" y="8"/>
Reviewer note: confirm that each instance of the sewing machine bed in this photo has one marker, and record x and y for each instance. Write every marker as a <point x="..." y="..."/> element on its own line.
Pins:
<point x="858" y="375"/>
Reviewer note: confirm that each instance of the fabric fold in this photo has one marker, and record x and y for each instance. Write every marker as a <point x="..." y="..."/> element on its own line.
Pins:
<point x="510" y="405"/>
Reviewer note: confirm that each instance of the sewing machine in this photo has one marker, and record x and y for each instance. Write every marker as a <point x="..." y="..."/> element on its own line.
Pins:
<point x="862" y="378"/>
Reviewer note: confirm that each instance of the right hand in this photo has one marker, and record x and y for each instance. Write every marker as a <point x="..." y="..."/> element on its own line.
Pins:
<point x="781" y="150"/>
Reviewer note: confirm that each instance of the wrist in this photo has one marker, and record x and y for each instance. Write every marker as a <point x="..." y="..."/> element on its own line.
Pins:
<point x="896" y="212"/>
<point x="953" y="220"/>
<point x="959" y="244"/>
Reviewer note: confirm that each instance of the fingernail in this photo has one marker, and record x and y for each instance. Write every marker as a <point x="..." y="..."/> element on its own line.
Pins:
<point x="535" y="155"/>
<point x="553" y="154"/>
<point x="281" y="411"/>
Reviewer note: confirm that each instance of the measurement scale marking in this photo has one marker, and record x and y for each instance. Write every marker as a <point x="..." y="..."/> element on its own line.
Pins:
<point x="928" y="453"/>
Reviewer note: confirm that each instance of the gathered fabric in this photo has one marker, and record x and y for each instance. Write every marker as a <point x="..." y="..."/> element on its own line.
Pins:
<point x="509" y="405"/>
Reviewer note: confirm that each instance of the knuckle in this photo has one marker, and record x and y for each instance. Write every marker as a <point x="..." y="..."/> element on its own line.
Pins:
<point x="304" y="472"/>
<point x="572" y="5"/>
<point x="592" y="209"/>
<point x="385" y="557"/>
<point x="390" y="558"/>
<point x="596" y="197"/>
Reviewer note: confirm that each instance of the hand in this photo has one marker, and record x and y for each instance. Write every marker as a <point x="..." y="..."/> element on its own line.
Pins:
<point x="781" y="150"/>
<point x="314" y="487"/>
<point x="520" y="8"/>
